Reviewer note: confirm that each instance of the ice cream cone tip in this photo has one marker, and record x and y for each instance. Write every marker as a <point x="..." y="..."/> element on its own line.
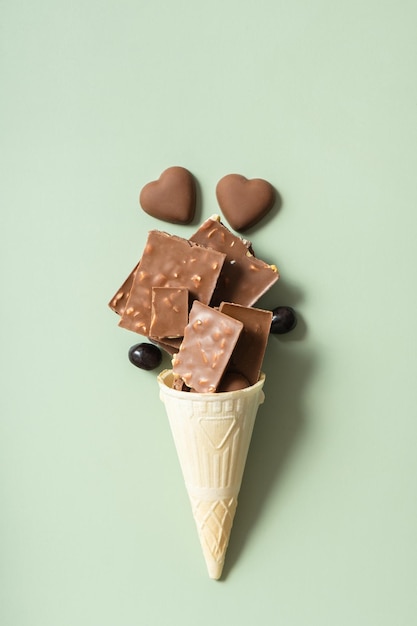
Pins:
<point x="214" y="569"/>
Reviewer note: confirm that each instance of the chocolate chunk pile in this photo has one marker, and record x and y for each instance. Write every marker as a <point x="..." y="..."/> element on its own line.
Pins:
<point x="194" y="298"/>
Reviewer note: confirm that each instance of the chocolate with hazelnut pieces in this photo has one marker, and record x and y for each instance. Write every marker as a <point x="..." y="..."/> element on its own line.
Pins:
<point x="118" y="302"/>
<point x="169" y="312"/>
<point x="244" y="278"/>
<point x="169" y="261"/>
<point x="209" y="340"/>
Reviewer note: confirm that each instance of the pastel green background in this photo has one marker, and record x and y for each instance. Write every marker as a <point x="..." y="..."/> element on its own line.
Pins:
<point x="319" y="98"/>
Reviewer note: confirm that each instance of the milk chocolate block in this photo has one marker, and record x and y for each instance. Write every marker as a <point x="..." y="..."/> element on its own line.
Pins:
<point x="209" y="340"/>
<point x="169" y="312"/>
<point x="169" y="261"/>
<point x="249" y="352"/>
<point x="244" y="278"/>
<point x="118" y="302"/>
<point x="232" y="381"/>
<point x="171" y="346"/>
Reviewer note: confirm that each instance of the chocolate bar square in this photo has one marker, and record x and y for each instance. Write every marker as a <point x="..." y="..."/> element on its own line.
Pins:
<point x="209" y="340"/>
<point x="118" y="302"/>
<point x="170" y="261"/>
<point x="244" y="278"/>
<point x="169" y="312"/>
<point x="249" y="352"/>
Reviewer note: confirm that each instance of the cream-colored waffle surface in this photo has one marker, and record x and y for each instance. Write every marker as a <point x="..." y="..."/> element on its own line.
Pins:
<point x="212" y="433"/>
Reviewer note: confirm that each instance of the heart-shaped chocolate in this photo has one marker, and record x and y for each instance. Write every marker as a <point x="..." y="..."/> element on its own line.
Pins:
<point x="244" y="202"/>
<point x="172" y="197"/>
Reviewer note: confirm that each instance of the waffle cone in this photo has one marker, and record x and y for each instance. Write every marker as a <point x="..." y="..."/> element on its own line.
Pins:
<point x="212" y="433"/>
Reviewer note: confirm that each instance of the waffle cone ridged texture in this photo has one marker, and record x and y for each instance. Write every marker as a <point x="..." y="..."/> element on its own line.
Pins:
<point x="212" y="433"/>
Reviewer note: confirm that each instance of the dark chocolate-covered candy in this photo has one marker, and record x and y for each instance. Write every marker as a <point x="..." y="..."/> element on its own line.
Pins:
<point x="172" y="197"/>
<point x="147" y="356"/>
<point x="284" y="319"/>
<point x="244" y="202"/>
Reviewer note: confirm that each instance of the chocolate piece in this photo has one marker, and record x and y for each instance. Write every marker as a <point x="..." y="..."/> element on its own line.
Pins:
<point x="169" y="261"/>
<point x="169" y="312"/>
<point x="179" y="384"/>
<point x="249" y="353"/>
<point x="118" y="302"/>
<point x="146" y="356"/>
<point x="284" y="319"/>
<point x="244" y="202"/>
<point x="172" y="197"/>
<point x="232" y="381"/>
<point x="171" y="346"/>
<point x="244" y="278"/>
<point x="209" y="340"/>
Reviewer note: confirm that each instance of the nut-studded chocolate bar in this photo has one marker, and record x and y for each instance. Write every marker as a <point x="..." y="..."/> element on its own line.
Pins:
<point x="209" y="340"/>
<point x="169" y="313"/>
<point x="170" y="261"/>
<point x="244" y="277"/>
